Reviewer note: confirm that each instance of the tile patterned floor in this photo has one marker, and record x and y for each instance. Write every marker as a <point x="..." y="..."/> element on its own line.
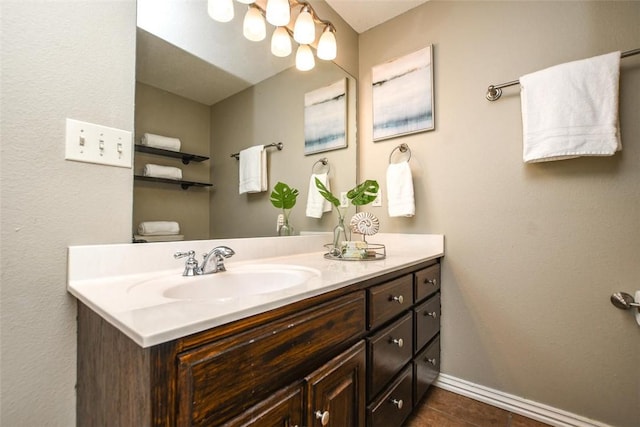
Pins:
<point x="441" y="408"/>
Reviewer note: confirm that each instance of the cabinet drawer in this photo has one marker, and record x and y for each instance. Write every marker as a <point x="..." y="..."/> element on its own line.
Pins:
<point x="395" y="404"/>
<point x="389" y="299"/>
<point x="427" y="321"/>
<point x="388" y="351"/>
<point x="285" y="408"/>
<point x="427" y="282"/>
<point x="220" y="380"/>
<point x="426" y="368"/>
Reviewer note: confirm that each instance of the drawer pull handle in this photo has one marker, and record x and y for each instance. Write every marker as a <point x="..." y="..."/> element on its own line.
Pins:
<point x="431" y="314"/>
<point x="323" y="417"/>
<point x="398" y="402"/>
<point x="398" y="341"/>
<point x="433" y="282"/>
<point x="399" y="299"/>
<point x="432" y="361"/>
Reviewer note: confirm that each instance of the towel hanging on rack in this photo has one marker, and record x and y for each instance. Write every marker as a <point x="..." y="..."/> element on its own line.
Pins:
<point x="253" y="170"/>
<point x="400" y="198"/>
<point x="571" y="110"/>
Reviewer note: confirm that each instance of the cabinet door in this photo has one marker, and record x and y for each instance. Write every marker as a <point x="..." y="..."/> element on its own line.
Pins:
<point x="220" y="380"/>
<point x="283" y="409"/>
<point x="335" y="391"/>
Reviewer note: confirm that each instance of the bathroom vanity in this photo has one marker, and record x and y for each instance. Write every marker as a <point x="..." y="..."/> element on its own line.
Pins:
<point x="358" y="345"/>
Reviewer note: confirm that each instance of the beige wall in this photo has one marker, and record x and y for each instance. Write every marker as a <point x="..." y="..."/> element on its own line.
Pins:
<point x="533" y="252"/>
<point x="58" y="62"/>
<point x="273" y="111"/>
<point x="164" y="113"/>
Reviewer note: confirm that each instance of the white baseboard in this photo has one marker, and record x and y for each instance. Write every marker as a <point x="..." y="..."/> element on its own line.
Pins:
<point x="528" y="408"/>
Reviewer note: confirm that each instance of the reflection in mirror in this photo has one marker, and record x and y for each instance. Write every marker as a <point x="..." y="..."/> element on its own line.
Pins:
<point x="200" y="81"/>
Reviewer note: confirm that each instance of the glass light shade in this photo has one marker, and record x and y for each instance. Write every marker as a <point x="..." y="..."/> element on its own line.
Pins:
<point x="278" y="12"/>
<point x="327" y="48"/>
<point x="304" y="31"/>
<point x="304" y="58"/>
<point x="220" y="10"/>
<point x="280" y="43"/>
<point x="253" y="27"/>
<point x="247" y="1"/>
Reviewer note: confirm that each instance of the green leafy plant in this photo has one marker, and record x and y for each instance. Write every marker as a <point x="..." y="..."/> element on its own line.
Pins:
<point x="284" y="197"/>
<point x="361" y="194"/>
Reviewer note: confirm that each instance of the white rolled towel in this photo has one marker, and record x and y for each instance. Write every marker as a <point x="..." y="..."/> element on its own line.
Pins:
<point x="159" y="141"/>
<point x="154" y="228"/>
<point x="158" y="171"/>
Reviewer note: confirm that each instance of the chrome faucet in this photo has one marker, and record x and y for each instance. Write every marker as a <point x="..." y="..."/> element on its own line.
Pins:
<point x="191" y="267"/>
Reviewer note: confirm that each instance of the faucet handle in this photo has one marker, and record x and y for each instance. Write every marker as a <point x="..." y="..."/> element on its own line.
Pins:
<point x="179" y="254"/>
<point x="191" y="265"/>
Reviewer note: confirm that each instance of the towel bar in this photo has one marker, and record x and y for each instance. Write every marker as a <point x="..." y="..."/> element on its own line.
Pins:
<point x="278" y="145"/>
<point x="403" y="148"/>
<point x="325" y="162"/>
<point x="494" y="92"/>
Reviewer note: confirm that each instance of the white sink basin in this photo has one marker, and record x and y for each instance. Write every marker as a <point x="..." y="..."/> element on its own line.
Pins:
<point x="236" y="282"/>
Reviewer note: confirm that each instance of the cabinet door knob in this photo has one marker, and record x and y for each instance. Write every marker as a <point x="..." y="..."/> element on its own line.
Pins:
<point x="399" y="299"/>
<point x="398" y="341"/>
<point x="432" y="282"/>
<point x="431" y="314"/>
<point x="398" y="402"/>
<point x="432" y="361"/>
<point x="323" y="417"/>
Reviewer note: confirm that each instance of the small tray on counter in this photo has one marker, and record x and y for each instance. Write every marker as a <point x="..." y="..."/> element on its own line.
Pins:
<point x="375" y="251"/>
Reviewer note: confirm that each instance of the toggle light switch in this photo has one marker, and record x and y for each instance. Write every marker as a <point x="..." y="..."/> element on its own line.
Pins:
<point x="91" y="143"/>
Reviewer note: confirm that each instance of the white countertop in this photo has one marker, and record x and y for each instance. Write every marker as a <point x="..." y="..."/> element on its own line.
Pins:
<point x="107" y="279"/>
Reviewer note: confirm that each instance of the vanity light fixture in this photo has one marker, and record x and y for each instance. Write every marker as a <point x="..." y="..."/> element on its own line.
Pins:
<point x="278" y="13"/>
<point x="304" y="30"/>
<point x="253" y="27"/>
<point x="304" y="58"/>
<point x="281" y="42"/>
<point x="327" y="49"/>
<point x="220" y="10"/>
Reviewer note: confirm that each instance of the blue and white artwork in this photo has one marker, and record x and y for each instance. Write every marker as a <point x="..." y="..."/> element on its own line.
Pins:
<point x="325" y="118"/>
<point x="403" y="95"/>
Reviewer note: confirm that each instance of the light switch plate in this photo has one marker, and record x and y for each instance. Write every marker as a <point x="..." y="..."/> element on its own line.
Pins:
<point x="91" y="143"/>
<point x="344" y="200"/>
<point x="378" y="200"/>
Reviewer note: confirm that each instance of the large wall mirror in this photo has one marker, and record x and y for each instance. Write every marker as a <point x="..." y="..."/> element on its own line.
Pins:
<point x="201" y="81"/>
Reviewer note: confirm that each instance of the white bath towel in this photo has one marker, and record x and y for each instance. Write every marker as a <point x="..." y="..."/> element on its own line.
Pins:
<point x="571" y="110"/>
<point x="159" y="141"/>
<point x="158" y="171"/>
<point x="151" y="228"/>
<point x="316" y="204"/>
<point x="400" y="198"/>
<point x="253" y="170"/>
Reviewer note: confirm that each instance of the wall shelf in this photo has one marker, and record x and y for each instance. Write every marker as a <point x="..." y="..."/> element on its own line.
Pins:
<point x="184" y="184"/>
<point x="185" y="157"/>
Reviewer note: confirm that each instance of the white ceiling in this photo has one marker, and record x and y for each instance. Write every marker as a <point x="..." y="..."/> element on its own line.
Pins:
<point x="362" y="15"/>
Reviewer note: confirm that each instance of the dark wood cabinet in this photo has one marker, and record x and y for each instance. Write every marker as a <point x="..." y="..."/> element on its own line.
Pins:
<point x="336" y="395"/>
<point x="362" y="355"/>
<point x="283" y="409"/>
<point x="223" y="378"/>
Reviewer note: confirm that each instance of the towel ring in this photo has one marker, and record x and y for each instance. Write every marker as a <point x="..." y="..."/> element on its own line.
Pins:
<point x="324" y="162"/>
<point x="403" y="148"/>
